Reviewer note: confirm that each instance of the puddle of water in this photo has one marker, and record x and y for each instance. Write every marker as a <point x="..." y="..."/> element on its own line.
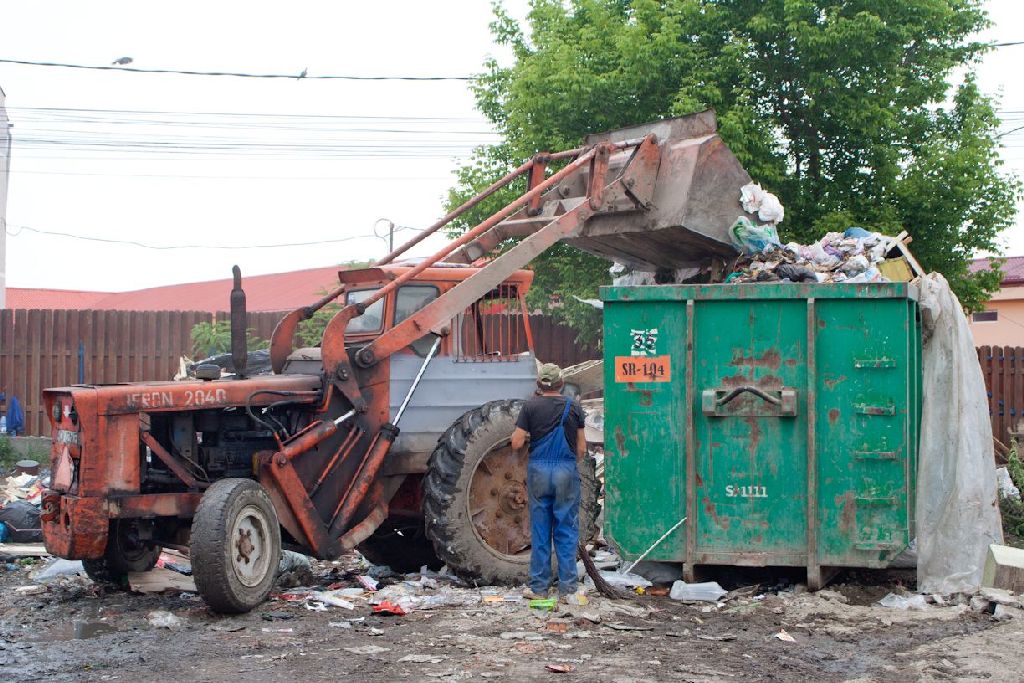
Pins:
<point x="77" y="630"/>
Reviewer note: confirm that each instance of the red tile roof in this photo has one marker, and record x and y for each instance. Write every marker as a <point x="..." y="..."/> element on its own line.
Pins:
<point x="1013" y="269"/>
<point x="274" y="292"/>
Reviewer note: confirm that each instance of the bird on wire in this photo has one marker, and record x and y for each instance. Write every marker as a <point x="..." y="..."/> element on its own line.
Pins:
<point x="303" y="74"/>
<point x="122" y="61"/>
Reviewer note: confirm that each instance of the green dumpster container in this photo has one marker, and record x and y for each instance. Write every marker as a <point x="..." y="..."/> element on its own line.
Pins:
<point x="780" y="420"/>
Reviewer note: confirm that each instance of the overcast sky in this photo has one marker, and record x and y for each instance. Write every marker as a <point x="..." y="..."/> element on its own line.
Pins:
<point x="186" y="160"/>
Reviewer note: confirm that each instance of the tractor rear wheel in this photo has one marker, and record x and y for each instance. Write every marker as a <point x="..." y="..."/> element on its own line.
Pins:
<point x="125" y="552"/>
<point x="475" y="501"/>
<point x="235" y="545"/>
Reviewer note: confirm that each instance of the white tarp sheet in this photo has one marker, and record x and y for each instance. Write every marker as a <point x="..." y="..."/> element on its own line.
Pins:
<point x="957" y="509"/>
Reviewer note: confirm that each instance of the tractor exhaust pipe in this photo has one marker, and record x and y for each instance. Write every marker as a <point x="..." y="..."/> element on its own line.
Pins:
<point x="239" y="350"/>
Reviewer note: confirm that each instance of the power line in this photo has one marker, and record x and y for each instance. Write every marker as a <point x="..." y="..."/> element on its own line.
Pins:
<point x="21" y="228"/>
<point x="235" y="74"/>
<point x="1016" y="42"/>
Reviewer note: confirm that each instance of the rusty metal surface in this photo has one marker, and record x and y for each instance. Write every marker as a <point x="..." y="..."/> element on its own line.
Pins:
<point x="148" y="505"/>
<point x="498" y="501"/>
<point x="77" y="529"/>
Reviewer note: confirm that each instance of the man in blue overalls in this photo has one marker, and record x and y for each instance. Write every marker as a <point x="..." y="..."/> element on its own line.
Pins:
<point x="554" y="424"/>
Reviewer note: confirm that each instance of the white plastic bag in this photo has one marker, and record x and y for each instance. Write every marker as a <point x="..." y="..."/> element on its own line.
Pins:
<point x="957" y="510"/>
<point x="709" y="591"/>
<point x="765" y="204"/>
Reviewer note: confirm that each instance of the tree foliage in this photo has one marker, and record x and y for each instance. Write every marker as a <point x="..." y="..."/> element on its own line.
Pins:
<point x="212" y="338"/>
<point x="841" y="107"/>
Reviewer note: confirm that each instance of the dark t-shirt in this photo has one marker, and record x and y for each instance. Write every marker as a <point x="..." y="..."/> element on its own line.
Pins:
<point x="541" y="414"/>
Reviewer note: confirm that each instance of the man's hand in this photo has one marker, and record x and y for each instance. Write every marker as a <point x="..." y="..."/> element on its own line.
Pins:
<point x="581" y="444"/>
<point x="519" y="437"/>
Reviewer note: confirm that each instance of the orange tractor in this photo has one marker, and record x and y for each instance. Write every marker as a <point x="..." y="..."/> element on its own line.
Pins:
<point x="393" y="435"/>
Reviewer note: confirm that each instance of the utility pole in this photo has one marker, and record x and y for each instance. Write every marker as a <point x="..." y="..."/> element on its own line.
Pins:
<point x="391" y="232"/>
<point x="5" y="170"/>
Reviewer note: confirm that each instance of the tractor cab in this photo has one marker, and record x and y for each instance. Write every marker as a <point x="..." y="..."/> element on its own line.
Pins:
<point x="495" y="327"/>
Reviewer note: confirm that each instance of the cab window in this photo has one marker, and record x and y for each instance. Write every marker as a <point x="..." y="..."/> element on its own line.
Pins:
<point x="372" y="320"/>
<point x="412" y="298"/>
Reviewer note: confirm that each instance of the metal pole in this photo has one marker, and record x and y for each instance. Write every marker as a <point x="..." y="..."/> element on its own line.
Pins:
<point x="416" y="381"/>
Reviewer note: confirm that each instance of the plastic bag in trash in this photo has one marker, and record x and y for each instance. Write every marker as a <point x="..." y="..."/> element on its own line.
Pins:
<point x="709" y="591"/>
<point x="752" y="239"/>
<point x="765" y="204"/>
<point x="623" y="580"/>
<point x="21" y="520"/>
<point x="57" y="568"/>
<point x="916" y="602"/>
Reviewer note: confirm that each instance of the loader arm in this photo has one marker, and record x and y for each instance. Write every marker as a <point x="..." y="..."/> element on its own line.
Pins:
<point x="564" y="219"/>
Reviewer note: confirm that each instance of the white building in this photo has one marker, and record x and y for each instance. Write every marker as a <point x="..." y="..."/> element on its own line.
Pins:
<point x="5" y="169"/>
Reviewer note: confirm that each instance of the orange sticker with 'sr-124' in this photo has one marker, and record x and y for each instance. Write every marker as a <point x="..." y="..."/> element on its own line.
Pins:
<point x="643" y="369"/>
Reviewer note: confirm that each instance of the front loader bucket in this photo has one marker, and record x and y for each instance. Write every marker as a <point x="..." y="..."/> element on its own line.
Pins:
<point x="695" y="200"/>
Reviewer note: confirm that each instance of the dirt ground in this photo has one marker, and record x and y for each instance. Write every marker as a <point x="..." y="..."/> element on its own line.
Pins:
<point x="76" y="631"/>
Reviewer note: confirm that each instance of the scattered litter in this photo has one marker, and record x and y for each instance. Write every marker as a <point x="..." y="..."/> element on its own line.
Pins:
<point x="544" y="603"/>
<point x="164" y="619"/>
<point x="389" y="608"/>
<point x="316" y="607"/>
<point x="725" y="637"/>
<point x="29" y="590"/>
<point x="331" y="598"/>
<point x="367" y="650"/>
<point x="58" y="567"/>
<point x="708" y="591"/>
<point x="422" y="659"/>
<point x="578" y="599"/>
<point x="915" y="602"/>
<point x="276" y="616"/>
<point x="785" y="637"/>
<point x="560" y="668"/>
<point x="227" y="628"/>
<point x="367" y="582"/>
<point x="291" y="560"/>
<point x="622" y="580"/>
<point x="267" y="629"/>
<point x="556" y="627"/>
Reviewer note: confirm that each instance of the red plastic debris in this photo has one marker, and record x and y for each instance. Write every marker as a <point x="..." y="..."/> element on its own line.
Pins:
<point x="388" y="607"/>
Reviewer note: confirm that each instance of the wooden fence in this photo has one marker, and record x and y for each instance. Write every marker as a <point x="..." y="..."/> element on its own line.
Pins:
<point x="1003" y="368"/>
<point x="52" y="348"/>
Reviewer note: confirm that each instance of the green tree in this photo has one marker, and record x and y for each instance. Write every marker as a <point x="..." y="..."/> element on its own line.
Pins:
<point x="211" y="338"/>
<point x="841" y="107"/>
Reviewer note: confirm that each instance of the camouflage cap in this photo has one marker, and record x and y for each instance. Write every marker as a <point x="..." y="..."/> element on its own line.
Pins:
<point x="549" y="375"/>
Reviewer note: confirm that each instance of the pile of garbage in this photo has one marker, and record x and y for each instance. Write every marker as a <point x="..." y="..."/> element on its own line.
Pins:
<point x="20" y="498"/>
<point x="853" y="256"/>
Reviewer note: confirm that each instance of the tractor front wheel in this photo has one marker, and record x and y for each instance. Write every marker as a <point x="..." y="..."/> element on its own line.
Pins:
<point x="235" y="546"/>
<point x="475" y="501"/>
<point x="125" y="552"/>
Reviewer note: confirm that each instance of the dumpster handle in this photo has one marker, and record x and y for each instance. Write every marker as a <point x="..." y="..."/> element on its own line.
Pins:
<point x="753" y="390"/>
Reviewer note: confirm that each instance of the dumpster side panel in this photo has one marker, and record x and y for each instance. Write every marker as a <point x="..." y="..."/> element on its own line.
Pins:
<point x="751" y="484"/>
<point x="645" y="427"/>
<point x="864" y="421"/>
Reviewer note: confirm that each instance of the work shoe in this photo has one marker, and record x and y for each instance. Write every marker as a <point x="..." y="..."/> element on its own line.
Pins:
<point x="530" y="595"/>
